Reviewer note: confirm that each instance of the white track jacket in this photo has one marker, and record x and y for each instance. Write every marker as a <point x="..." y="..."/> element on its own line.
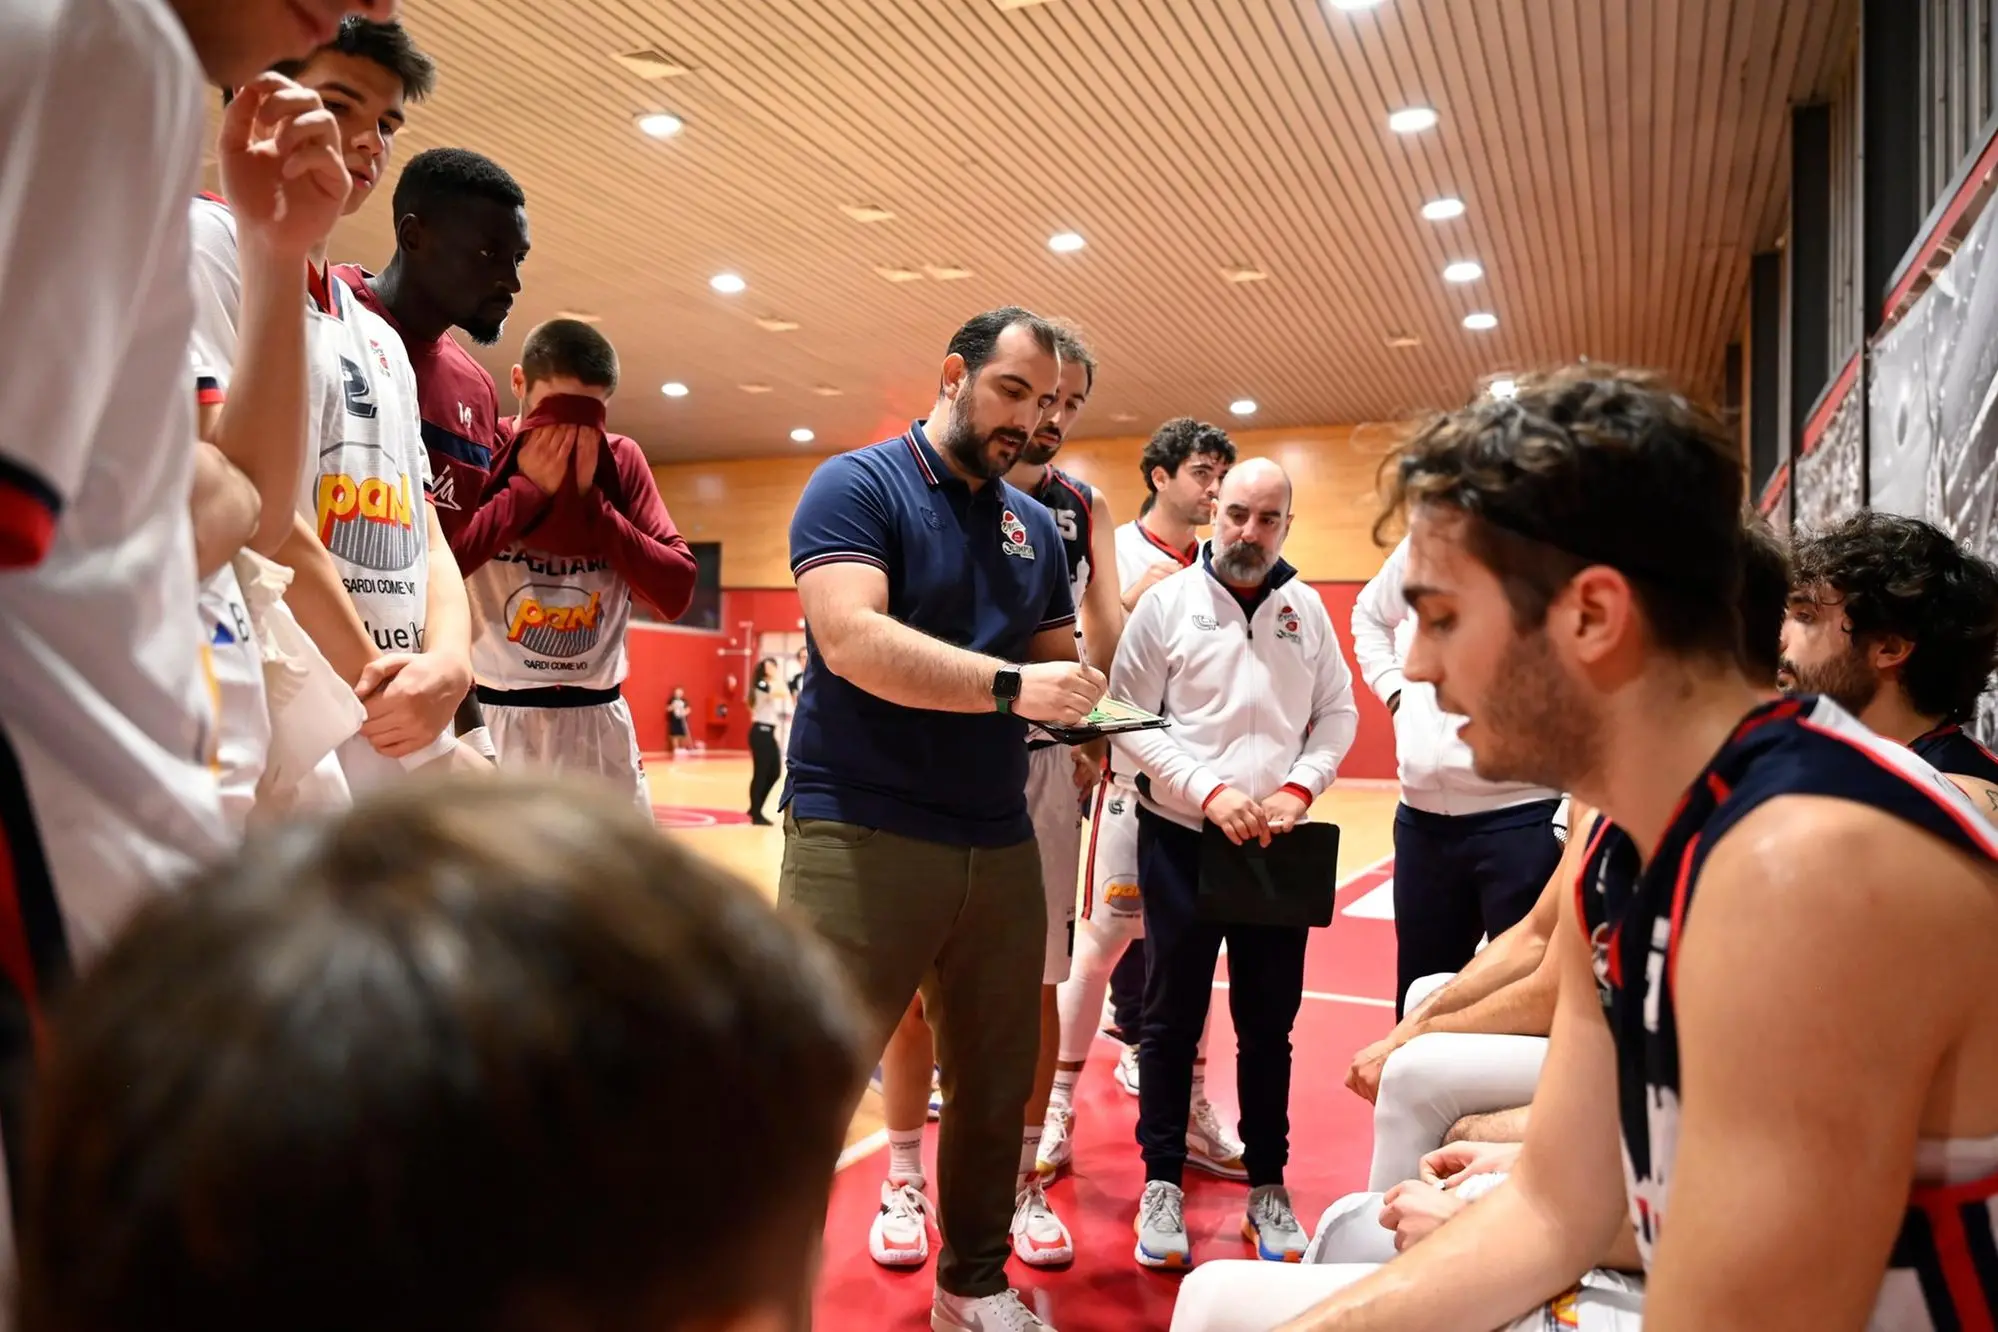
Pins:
<point x="1256" y="704"/>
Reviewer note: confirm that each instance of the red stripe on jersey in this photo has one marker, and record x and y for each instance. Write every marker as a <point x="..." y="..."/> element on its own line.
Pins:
<point x="1089" y="860"/>
<point x="1980" y="833"/>
<point x="319" y="286"/>
<point x="1945" y="1212"/>
<point x="1679" y="891"/>
<point x="1185" y="557"/>
<point x="27" y="522"/>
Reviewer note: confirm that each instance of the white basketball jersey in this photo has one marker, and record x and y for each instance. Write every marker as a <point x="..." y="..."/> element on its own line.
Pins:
<point x="363" y="491"/>
<point x="1138" y="551"/>
<point x="243" y="721"/>
<point x="102" y="697"/>
<point x="541" y="619"/>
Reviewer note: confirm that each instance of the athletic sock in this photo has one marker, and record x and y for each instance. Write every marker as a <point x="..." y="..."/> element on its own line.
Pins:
<point x="1063" y="1093"/>
<point x="1030" y="1151"/>
<point x="905" y="1157"/>
<point x="1199" y="1079"/>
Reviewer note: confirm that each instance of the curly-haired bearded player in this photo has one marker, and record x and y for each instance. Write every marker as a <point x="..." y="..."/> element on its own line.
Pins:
<point x="1899" y="625"/>
<point x="1775" y="1001"/>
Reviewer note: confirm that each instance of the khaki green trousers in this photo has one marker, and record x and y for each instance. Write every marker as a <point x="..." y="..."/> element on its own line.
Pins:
<point x="968" y="927"/>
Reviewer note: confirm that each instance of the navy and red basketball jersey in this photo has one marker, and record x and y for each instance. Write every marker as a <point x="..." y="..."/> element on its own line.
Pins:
<point x="1948" y="749"/>
<point x="1945" y="1263"/>
<point x="1071" y="502"/>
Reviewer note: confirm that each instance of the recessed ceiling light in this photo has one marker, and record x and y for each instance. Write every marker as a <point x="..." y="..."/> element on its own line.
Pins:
<point x="728" y="284"/>
<point x="1403" y="340"/>
<point x="1481" y="322"/>
<point x="674" y="389"/>
<point x="1442" y="210"/>
<point x="661" y="124"/>
<point x="1243" y="406"/>
<point x="1066" y="242"/>
<point x="1412" y="120"/>
<point x="772" y="324"/>
<point x="894" y="274"/>
<point x="1244" y="273"/>
<point x="1504" y="388"/>
<point x="1018" y="4"/>
<point x="867" y="213"/>
<point x="828" y="391"/>
<point x="802" y="436"/>
<point x="1124" y="416"/>
<point x="649" y="63"/>
<point x="946" y="273"/>
<point x="580" y="316"/>
<point x="1355" y="6"/>
<point x="1464" y="270"/>
<point x="754" y="388"/>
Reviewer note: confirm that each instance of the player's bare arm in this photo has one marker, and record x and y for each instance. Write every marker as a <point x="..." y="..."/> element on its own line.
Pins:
<point x="1982" y="794"/>
<point x="225" y="506"/>
<point x="1102" y="611"/>
<point x="847" y="607"/>
<point x="1560" y="1213"/>
<point x="286" y="182"/>
<point x="319" y="601"/>
<point x="411" y="698"/>
<point x="1833" y="1004"/>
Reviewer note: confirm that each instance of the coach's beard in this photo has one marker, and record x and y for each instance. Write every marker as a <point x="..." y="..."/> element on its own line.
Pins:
<point x="1243" y="563"/>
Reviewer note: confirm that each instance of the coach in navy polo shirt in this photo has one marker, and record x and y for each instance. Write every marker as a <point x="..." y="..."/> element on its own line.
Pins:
<point x="939" y="622"/>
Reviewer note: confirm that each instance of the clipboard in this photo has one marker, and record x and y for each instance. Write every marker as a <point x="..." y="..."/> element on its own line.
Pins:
<point x="1290" y="882"/>
<point x="1109" y="717"/>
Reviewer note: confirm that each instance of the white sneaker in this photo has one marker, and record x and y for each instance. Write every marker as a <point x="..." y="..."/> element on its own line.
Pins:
<point x="1272" y="1227"/>
<point x="1057" y="1147"/>
<point x="900" y="1235"/>
<point x="986" y="1313"/>
<point x="1161" y="1227"/>
<point x="1127" y="1069"/>
<point x="1039" y="1237"/>
<point x="1209" y="1146"/>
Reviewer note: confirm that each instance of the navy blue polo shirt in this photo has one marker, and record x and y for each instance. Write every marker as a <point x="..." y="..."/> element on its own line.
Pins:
<point x="982" y="570"/>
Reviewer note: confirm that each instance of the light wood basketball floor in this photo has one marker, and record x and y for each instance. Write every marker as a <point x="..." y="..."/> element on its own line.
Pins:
<point x="701" y="792"/>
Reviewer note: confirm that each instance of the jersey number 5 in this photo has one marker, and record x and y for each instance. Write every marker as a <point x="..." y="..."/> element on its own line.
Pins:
<point x="1065" y="522"/>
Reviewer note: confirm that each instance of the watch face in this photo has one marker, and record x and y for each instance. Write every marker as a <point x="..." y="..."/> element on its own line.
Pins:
<point x="1006" y="684"/>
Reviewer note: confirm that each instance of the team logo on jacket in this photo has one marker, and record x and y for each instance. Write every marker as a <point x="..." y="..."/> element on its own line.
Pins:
<point x="554" y="620"/>
<point x="1015" y="533"/>
<point x="381" y="357"/>
<point x="1287" y="625"/>
<point x="369" y="520"/>
<point x="1207" y="622"/>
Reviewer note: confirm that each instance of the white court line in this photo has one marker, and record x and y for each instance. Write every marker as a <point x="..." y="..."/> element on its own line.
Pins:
<point x="877" y="1140"/>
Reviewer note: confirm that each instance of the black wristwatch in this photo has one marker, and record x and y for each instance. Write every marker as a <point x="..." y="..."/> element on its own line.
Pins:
<point x="1006" y="687"/>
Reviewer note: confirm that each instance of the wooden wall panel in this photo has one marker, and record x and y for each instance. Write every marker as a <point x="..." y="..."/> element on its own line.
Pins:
<point x="746" y="504"/>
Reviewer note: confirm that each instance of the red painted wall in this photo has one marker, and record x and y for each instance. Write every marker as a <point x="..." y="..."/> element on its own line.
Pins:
<point x="703" y="663"/>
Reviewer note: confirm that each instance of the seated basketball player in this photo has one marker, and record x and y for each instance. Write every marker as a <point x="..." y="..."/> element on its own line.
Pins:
<point x="1899" y="624"/>
<point x="511" y="1039"/>
<point x="551" y="586"/>
<point x="1464" y="1063"/>
<point x="1574" y="561"/>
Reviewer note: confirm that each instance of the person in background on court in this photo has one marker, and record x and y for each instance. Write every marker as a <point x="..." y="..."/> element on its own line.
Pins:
<point x="497" y="1096"/>
<point x="769" y="701"/>
<point x="677" y="712"/>
<point x="1470" y="855"/>
<point x="1238" y="653"/>
<point x="583" y="531"/>
<point x="1898" y="625"/>
<point x="1182" y="465"/>
<point x="940" y="622"/>
<point x="461" y="237"/>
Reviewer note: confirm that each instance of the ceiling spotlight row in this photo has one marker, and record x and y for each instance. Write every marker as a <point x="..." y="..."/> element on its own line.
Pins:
<point x="1414" y="120"/>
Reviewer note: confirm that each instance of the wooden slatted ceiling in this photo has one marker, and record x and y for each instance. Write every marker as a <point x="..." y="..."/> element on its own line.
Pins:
<point x="1621" y="160"/>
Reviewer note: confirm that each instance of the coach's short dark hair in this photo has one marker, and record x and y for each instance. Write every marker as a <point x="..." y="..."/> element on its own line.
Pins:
<point x="1591" y="466"/>
<point x="979" y="337"/>
<point x="569" y="349"/>
<point x="430" y="1063"/>
<point x="387" y="44"/>
<point x="1074" y="349"/>
<point x="1906" y="578"/>
<point x="1765" y="598"/>
<point x="440" y="177"/>
<point x="1176" y="441"/>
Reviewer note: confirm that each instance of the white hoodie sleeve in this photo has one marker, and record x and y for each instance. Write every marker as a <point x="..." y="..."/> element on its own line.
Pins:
<point x="1138" y="677"/>
<point x="1335" y="719"/>
<point x="1377" y="612"/>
